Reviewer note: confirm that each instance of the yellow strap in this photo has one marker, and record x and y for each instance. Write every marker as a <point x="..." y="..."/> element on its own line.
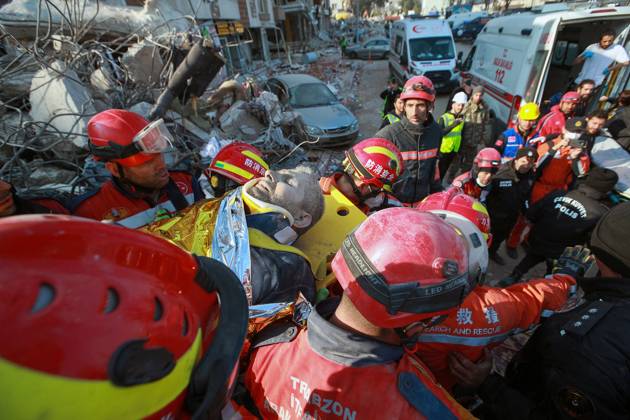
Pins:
<point x="260" y="239"/>
<point x="31" y="394"/>
<point x="257" y="158"/>
<point x="234" y="169"/>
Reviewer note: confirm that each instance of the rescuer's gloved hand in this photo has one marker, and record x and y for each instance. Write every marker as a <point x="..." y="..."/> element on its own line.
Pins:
<point x="574" y="261"/>
<point x="587" y="54"/>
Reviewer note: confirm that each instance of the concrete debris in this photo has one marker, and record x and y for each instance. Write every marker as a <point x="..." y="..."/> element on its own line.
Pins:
<point x="49" y="174"/>
<point x="59" y="98"/>
<point x="143" y="63"/>
<point x="102" y="81"/>
<point x="238" y="123"/>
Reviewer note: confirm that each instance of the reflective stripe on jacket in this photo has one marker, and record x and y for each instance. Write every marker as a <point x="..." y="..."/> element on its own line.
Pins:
<point x="453" y="140"/>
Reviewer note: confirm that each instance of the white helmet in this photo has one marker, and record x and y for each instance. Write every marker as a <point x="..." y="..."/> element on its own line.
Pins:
<point x="477" y="246"/>
<point x="460" y="98"/>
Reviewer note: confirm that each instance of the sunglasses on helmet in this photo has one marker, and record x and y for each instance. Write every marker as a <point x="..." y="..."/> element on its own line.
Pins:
<point x="421" y="87"/>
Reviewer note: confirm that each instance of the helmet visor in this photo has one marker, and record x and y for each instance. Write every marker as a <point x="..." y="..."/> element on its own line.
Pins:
<point x="421" y="87"/>
<point x="154" y="138"/>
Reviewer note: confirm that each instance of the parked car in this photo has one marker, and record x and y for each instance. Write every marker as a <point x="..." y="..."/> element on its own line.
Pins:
<point x="470" y="30"/>
<point x="324" y="117"/>
<point x="374" y="48"/>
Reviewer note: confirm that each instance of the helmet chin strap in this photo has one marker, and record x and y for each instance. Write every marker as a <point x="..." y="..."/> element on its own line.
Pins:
<point x="132" y="189"/>
<point x="362" y="197"/>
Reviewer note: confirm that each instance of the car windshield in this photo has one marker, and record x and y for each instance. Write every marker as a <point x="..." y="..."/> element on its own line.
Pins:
<point x="311" y="94"/>
<point x="438" y="48"/>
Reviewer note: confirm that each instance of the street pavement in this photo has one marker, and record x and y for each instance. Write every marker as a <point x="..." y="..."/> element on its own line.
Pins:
<point x="373" y="80"/>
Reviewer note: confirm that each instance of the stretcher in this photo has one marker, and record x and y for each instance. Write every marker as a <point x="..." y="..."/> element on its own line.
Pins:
<point x="607" y="153"/>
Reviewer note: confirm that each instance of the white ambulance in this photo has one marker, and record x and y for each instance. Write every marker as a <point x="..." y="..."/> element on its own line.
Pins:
<point x="527" y="57"/>
<point x="423" y="47"/>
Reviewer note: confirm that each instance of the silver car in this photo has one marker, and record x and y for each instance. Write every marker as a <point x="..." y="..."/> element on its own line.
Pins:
<point x="374" y="48"/>
<point x="324" y="117"/>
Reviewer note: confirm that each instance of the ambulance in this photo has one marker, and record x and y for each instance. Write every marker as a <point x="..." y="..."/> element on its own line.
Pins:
<point x="423" y="47"/>
<point x="527" y="57"/>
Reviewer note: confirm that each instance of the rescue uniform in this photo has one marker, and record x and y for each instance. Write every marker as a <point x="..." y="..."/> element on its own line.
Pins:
<point x="511" y="140"/>
<point x="389" y="98"/>
<point x="556" y="170"/>
<point x="114" y="201"/>
<point x="419" y="145"/>
<point x="38" y="206"/>
<point x="488" y="316"/>
<point x="560" y="220"/>
<point x="467" y="182"/>
<point x="552" y="123"/>
<point x="507" y="200"/>
<point x="451" y="141"/>
<point x="475" y="135"/>
<point x="575" y="366"/>
<point x="327" y="372"/>
<point x="390" y="118"/>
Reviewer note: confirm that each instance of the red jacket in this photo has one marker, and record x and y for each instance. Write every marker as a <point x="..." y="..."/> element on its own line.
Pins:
<point x="551" y="123"/>
<point x="327" y="372"/>
<point x="488" y="316"/>
<point x="556" y="170"/>
<point x="468" y="184"/>
<point x="111" y="202"/>
<point x="326" y="184"/>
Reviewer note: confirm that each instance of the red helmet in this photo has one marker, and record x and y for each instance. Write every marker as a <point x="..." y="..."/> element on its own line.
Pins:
<point x="401" y="266"/>
<point x="456" y="201"/>
<point x="488" y="158"/>
<point x="239" y="162"/>
<point x="571" y="96"/>
<point x="126" y="138"/>
<point x="419" y="87"/>
<point x="376" y="162"/>
<point x="102" y="319"/>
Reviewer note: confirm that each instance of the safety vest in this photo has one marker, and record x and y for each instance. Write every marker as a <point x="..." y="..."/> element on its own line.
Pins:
<point x="391" y="118"/>
<point x="451" y="141"/>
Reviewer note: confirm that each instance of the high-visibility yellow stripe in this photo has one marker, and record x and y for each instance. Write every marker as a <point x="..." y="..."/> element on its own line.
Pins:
<point x="480" y="207"/>
<point x="30" y="394"/>
<point x="384" y="151"/>
<point x="234" y="169"/>
<point x="257" y="158"/>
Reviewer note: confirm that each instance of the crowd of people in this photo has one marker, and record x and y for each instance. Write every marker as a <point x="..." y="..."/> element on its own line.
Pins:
<point x="146" y="315"/>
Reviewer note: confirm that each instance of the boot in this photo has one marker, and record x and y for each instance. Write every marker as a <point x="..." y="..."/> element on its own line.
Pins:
<point x="497" y="258"/>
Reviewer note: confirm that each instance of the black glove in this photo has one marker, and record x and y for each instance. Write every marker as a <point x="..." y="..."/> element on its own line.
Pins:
<point x="574" y="261"/>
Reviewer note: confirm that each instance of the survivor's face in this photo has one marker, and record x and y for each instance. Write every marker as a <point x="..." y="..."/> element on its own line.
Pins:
<point x="457" y="108"/>
<point x="526" y="125"/>
<point x="152" y="174"/>
<point x="594" y="125"/>
<point x="283" y="188"/>
<point x="476" y="97"/>
<point x="399" y="106"/>
<point x="484" y="178"/>
<point x="606" y="41"/>
<point x="416" y="110"/>
<point x="567" y="107"/>
<point x="523" y="164"/>
<point x="7" y="205"/>
<point x="586" y="90"/>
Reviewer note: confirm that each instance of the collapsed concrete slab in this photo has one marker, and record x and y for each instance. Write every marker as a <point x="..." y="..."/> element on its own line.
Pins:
<point x="143" y="63"/>
<point x="58" y="97"/>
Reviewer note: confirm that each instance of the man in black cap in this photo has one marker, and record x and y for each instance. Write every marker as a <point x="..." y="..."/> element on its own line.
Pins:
<point x="509" y="192"/>
<point x="577" y="363"/>
<point x="564" y="219"/>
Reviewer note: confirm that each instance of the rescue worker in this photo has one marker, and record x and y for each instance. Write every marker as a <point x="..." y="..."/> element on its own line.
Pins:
<point x="562" y="160"/>
<point x="595" y="123"/>
<point x="519" y="136"/>
<point x="555" y="120"/>
<point x="395" y="114"/>
<point x="141" y="188"/>
<point x="235" y="164"/>
<point x="507" y="199"/>
<point x="418" y="137"/>
<point x="151" y="331"/>
<point x="477" y="182"/>
<point x="13" y="204"/>
<point x="601" y="58"/>
<point x="585" y="90"/>
<point x="350" y="362"/>
<point x="576" y="363"/>
<point x="618" y="124"/>
<point x="389" y="96"/>
<point x="465" y="85"/>
<point x="564" y="219"/>
<point x="369" y="170"/>
<point x="451" y="123"/>
<point x="488" y="315"/>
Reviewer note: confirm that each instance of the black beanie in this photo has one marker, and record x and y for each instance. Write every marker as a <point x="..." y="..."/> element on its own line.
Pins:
<point x="609" y="240"/>
<point x="602" y="179"/>
<point x="527" y="151"/>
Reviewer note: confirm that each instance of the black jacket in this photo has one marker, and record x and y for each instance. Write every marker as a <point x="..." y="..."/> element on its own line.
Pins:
<point x="508" y="194"/>
<point x="564" y="219"/>
<point x="576" y="362"/>
<point x="619" y="126"/>
<point x="419" y="145"/>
